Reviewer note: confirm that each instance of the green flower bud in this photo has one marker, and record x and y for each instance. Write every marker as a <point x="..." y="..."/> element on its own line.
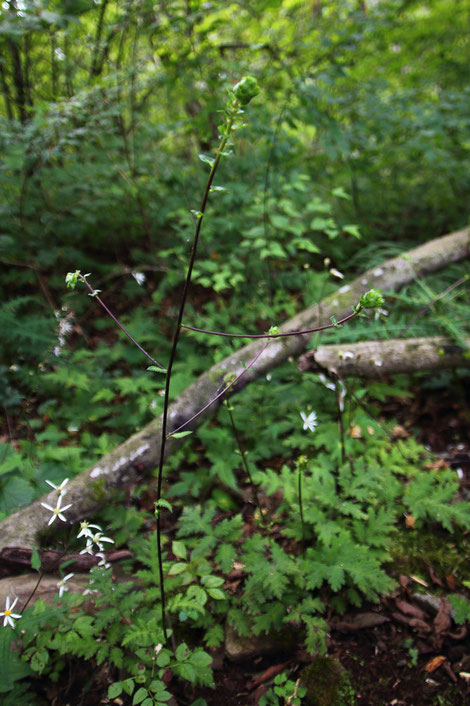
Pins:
<point x="245" y="89"/>
<point x="72" y="278"/>
<point x="371" y="299"/>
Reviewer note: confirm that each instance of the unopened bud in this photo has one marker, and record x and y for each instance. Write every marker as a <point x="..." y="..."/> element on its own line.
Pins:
<point x="371" y="299"/>
<point x="245" y="89"/>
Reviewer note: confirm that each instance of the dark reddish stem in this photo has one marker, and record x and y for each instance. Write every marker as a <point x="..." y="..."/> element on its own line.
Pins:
<point x="116" y="321"/>
<point x="273" y="335"/>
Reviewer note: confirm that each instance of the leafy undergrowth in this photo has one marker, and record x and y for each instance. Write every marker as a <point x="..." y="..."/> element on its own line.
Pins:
<point x="344" y="524"/>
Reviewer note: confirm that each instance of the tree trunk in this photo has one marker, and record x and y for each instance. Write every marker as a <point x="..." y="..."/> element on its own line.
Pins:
<point x="139" y="455"/>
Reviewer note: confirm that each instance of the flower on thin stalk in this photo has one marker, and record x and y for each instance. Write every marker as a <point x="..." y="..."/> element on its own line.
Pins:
<point x="105" y="564"/>
<point x="310" y="421"/>
<point x="60" y="488"/>
<point x="57" y="511"/>
<point x="9" y="616"/>
<point x="61" y="585"/>
<point x="85" y="530"/>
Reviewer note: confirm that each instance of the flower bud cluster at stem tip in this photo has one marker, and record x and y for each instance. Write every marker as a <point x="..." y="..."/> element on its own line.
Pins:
<point x="246" y="89"/>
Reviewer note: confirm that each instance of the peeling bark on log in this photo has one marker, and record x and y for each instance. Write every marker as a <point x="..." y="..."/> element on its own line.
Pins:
<point x="139" y="455"/>
<point x="373" y="359"/>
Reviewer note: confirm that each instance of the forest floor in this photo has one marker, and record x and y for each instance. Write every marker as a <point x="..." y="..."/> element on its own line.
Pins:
<point x="417" y="656"/>
<point x="403" y="651"/>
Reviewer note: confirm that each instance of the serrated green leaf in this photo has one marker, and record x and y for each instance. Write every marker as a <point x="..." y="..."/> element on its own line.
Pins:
<point x="139" y="696"/>
<point x="163" y="660"/>
<point x="211" y="581"/>
<point x="177" y="568"/>
<point x="216" y="593"/>
<point x="114" y="690"/>
<point x="182" y="652"/>
<point x="200" y="659"/>
<point x="164" y="503"/>
<point x="179" y="549"/>
<point x="128" y="686"/>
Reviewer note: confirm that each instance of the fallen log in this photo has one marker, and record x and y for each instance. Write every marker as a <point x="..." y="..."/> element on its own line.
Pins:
<point x="139" y="455"/>
<point x="373" y="359"/>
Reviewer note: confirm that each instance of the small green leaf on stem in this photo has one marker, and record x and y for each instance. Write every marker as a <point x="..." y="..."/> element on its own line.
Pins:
<point x="205" y="158"/>
<point x="154" y="369"/>
<point x="197" y="214"/>
<point x="35" y="560"/>
<point x="334" y="321"/>
<point x="162" y="503"/>
<point x="180" y="434"/>
<point x="273" y="330"/>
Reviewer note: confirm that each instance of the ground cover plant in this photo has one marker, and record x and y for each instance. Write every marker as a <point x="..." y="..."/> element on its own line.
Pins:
<point x="287" y="509"/>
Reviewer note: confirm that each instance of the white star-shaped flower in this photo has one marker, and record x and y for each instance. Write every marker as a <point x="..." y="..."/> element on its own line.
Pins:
<point x="9" y="616"/>
<point x="98" y="539"/>
<point x="85" y="530"/>
<point x="310" y="421"/>
<point x="57" y="511"/>
<point x="61" y="585"/>
<point x="60" y="488"/>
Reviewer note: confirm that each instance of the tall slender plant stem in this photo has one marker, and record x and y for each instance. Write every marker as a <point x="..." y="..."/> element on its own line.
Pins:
<point x="244" y="459"/>
<point x="231" y="114"/>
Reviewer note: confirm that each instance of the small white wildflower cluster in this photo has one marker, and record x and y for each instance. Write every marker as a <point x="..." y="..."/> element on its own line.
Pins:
<point x="64" y="317"/>
<point x="94" y="541"/>
<point x="58" y="510"/>
<point x="92" y="533"/>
